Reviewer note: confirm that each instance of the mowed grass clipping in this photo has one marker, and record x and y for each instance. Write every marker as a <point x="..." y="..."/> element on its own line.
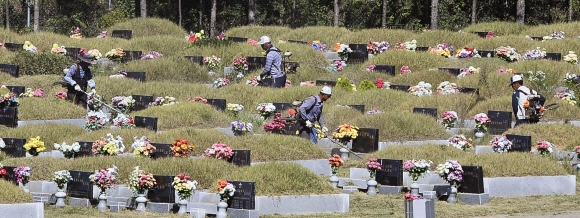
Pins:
<point x="12" y="194"/>
<point x="270" y="178"/>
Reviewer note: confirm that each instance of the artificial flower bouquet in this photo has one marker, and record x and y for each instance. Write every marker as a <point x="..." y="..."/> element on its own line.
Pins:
<point x="316" y="45"/>
<point x="535" y="54"/>
<point x="76" y="33"/>
<point x="196" y="37"/>
<point x="571" y="57"/>
<point x="61" y="95"/>
<point x="22" y="174"/>
<point x="567" y="95"/>
<point x="123" y="103"/>
<point x="104" y="178"/>
<point x="276" y="125"/>
<point x="266" y="110"/>
<point x="490" y="34"/>
<point x="409" y="197"/>
<point x="142" y="147"/>
<point x="108" y="145"/>
<point x="449" y="118"/>
<point x="212" y="62"/>
<point x="545" y="148"/>
<point x="140" y="182"/>
<point x="241" y="128"/>
<point x="59" y="50"/>
<point x="184" y="186"/>
<point x="234" y="108"/>
<point x="506" y="70"/>
<point x="557" y="35"/>
<point x="94" y="101"/>
<point x="460" y="142"/>
<point x="421" y="89"/>
<point x="318" y="129"/>
<point x="467" y="52"/>
<point x="252" y="42"/>
<point x="34" y="146"/>
<point x="372" y="112"/>
<point x="343" y="51"/>
<point x="500" y="144"/>
<point x="36" y="93"/>
<point x="411" y="45"/>
<point x="181" y="148"/>
<point x="151" y="55"/>
<point x="481" y="121"/>
<point x="96" y="120"/>
<point x="507" y="53"/>
<point x="468" y="71"/>
<point x="163" y="101"/>
<point x="219" y="151"/>
<point x="405" y="70"/>
<point x="225" y="189"/>
<point x="443" y="49"/>
<point x="373" y="165"/>
<point x="240" y="64"/>
<point x="222" y="35"/>
<point x="335" y="162"/>
<point x="2" y="171"/>
<point x="577" y="149"/>
<point x="538" y="77"/>
<point x="571" y="79"/>
<point x="61" y="178"/>
<point x="417" y="168"/>
<point x="8" y="98"/>
<point x="345" y="133"/>
<point x="451" y="171"/>
<point x="253" y="81"/>
<point x="378" y="47"/>
<point x="124" y="122"/>
<point x="102" y="34"/>
<point x="29" y="47"/>
<point x="221" y="82"/>
<point x="68" y="150"/>
<point x="115" y="54"/>
<point x="381" y="84"/>
<point x="198" y="99"/>
<point x="446" y="88"/>
<point x="370" y="68"/>
<point x="95" y="53"/>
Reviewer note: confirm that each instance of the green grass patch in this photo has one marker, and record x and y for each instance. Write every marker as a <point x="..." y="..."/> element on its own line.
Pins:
<point x="402" y="126"/>
<point x="571" y="29"/>
<point x="12" y="194"/>
<point x="275" y="147"/>
<point x="325" y="34"/>
<point x="406" y="58"/>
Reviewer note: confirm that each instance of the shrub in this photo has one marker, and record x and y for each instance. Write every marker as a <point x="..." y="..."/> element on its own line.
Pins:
<point x="12" y="194"/>
<point x="41" y="63"/>
<point x="344" y="83"/>
<point x="112" y="17"/>
<point x="367" y="85"/>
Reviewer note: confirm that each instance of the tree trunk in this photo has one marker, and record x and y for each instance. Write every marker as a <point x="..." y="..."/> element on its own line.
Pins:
<point x="36" y="15"/>
<point x="521" y="11"/>
<point x="212" y="18"/>
<point x="473" y="11"/>
<point x="384" y="16"/>
<point x="143" y="8"/>
<point x="7" y="15"/>
<point x="336" y="13"/>
<point x="570" y="10"/>
<point x="251" y="16"/>
<point x="179" y="8"/>
<point x="434" y="13"/>
<point x="293" y="14"/>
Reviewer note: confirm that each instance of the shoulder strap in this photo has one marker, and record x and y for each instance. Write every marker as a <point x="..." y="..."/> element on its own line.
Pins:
<point x="523" y="92"/>
<point x="78" y="70"/>
<point x="312" y="106"/>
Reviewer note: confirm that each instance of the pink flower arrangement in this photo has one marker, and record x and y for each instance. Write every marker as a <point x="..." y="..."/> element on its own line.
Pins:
<point x="373" y="165"/>
<point x="240" y="64"/>
<point x="449" y="118"/>
<point x="252" y="42"/>
<point x="481" y="121"/>
<point x="253" y="81"/>
<point x="405" y="70"/>
<point x="370" y="68"/>
<point x="103" y="34"/>
<point x="339" y="65"/>
<point x="577" y="149"/>
<point x="219" y="151"/>
<point x="544" y="148"/>
<point x="409" y="197"/>
<point x="104" y="178"/>
<point x="490" y="34"/>
<point x="371" y="112"/>
<point x="60" y="95"/>
<point x="222" y="35"/>
<point x="38" y="92"/>
<point x="151" y="55"/>
<point x="198" y="99"/>
<point x="277" y="124"/>
<point x="288" y="84"/>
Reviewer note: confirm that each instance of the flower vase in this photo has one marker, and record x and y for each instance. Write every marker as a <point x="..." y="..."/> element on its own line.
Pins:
<point x="102" y="202"/>
<point x="344" y="154"/>
<point x="221" y="213"/>
<point x="211" y="72"/>
<point x="479" y="134"/>
<point x="183" y="206"/>
<point x="414" y="188"/>
<point x="141" y="200"/>
<point x="60" y="195"/>
<point x="334" y="180"/>
<point x="372" y="187"/>
<point x="24" y="187"/>
<point x="452" y="195"/>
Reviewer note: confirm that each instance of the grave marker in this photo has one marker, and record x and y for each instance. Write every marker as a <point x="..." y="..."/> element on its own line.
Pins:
<point x="472" y="180"/>
<point x="14" y="147"/>
<point x="282" y="107"/>
<point x="12" y="69"/>
<point x="298" y="42"/>
<point x="73" y="52"/>
<point x="454" y="71"/>
<point x="391" y="172"/>
<point x="141" y="102"/>
<point x="139" y="76"/>
<point x="237" y="39"/>
<point x="10" y="175"/>
<point x="538" y="38"/>
<point x="520" y="143"/>
<point x="9" y="116"/>
<point x="554" y="56"/>
<point x="422" y="48"/>
<point x="241" y="158"/>
<point x="14" y="46"/>
<point x="85" y="150"/>
<point x="132" y="56"/>
<point x="481" y="34"/>
<point x="427" y="111"/>
<point x="500" y="121"/>
<point x="255" y="63"/>
<point x="367" y="140"/>
<point x="325" y="83"/>
<point x="146" y="122"/>
<point x="80" y="186"/>
<point x="163" y="192"/>
<point x="388" y="69"/>
<point x="161" y="150"/>
<point x="244" y="197"/>
<point x="404" y="88"/>
<point x="358" y="107"/>
<point x="486" y="54"/>
<point x="291" y="127"/>
<point x="18" y="90"/>
<point x="195" y="59"/>
<point x="123" y="34"/>
<point x="290" y="67"/>
<point x="219" y="104"/>
<point x="466" y="90"/>
<point x="359" y="53"/>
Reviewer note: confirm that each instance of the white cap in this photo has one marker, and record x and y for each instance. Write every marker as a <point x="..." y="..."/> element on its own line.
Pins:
<point x="515" y="78"/>
<point x="264" y="40"/>
<point x="326" y="90"/>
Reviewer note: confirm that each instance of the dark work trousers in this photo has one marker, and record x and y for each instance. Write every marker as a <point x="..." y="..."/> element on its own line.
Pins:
<point x="279" y="82"/>
<point x="77" y="98"/>
<point x="525" y="121"/>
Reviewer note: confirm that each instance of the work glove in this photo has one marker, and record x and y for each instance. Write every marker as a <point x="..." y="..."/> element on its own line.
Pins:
<point x="93" y="91"/>
<point x="324" y="129"/>
<point x="77" y="88"/>
<point x="308" y="124"/>
<point x="259" y="78"/>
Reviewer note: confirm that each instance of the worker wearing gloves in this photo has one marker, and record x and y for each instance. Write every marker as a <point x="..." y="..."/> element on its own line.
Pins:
<point x="311" y="111"/>
<point x="273" y="63"/>
<point x="78" y="77"/>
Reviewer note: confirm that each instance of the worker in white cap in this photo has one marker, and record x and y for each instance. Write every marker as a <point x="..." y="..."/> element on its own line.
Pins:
<point x="311" y="111"/>
<point x="520" y="99"/>
<point x="273" y="63"/>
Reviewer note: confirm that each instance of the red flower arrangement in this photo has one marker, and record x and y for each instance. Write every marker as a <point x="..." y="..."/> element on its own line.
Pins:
<point x="276" y="125"/>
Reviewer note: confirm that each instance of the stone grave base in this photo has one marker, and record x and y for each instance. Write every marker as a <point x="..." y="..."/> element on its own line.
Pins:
<point x="390" y="190"/>
<point x="349" y="189"/>
<point x="473" y="199"/>
<point x="79" y="202"/>
<point x="22" y="210"/>
<point x="530" y="186"/>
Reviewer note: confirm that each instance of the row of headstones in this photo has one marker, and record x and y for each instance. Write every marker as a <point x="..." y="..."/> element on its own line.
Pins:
<point x="403" y="88"/>
<point x="500" y="122"/>
<point x="484" y="35"/>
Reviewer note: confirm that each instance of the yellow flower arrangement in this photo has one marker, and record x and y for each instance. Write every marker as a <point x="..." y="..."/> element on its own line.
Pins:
<point x="345" y="133"/>
<point x="110" y="148"/>
<point x="446" y="53"/>
<point x="34" y="146"/>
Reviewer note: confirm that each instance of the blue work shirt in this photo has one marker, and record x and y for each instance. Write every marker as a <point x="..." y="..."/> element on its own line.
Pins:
<point x="273" y="63"/>
<point x="71" y="71"/>
<point x="315" y="114"/>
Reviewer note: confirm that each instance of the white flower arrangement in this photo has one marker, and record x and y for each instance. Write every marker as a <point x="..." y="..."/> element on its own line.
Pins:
<point x="118" y="142"/>
<point x="447" y="87"/>
<point x="421" y="89"/>
<point x="343" y="51"/>
<point x="68" y="150"/>
<point x="96" y="120"/>
<point x="2" y="144"/>
<point x="234" y="107"/>
<point x="411" y="45"/>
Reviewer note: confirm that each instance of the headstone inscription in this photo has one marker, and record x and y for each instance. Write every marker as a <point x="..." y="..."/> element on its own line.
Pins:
<point x="161" y="150"/>
<point x="500" y="122"/>
<point x="80" y="186"/>
<point x="12" y="69"/>
<point x="367" y="140"/>
<point x="141" y="102"/>
<point x="146" y="122"/>
<point x="9" y="116"/>
<point x="472" y="180"/>
<point x="195" y="59"/>
<point x="325" y="83"/>
<point x="244" y="197"/>
<point x="14" y="46"/>
<point x="85" y="150"/>
<point x="388" y="69"/>
<point x="18" y="90"/>
<point x="427" y="111"/>
<point x="359" y="53"/>
<point x="282" y="107"/>
<point x="391" y="172"/>
<point x="163" y="191"/>
<point x="219" y="104"/>
<point x="14" y="147"/>
<point x="139" y="76"/>
<point x="520" y="143"/>
<point x="255" y="63"/>
<point x="241" y="158"/>
<point x="554" y="56"/>
<point x="124" y="34"/>
<point x="237" y="39"/>
<point x="486" y="54"/>
<point x="73" y="52"/>
<point x="403" y="88"/>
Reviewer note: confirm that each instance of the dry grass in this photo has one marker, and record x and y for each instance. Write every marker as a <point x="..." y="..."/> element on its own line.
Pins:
<point x="402" y="58"/>
<point x="499" y="28"/>
<point x="571" y="29"/>
<point x="12" y="194"/>
<point x="180" y="115"/>
<point x="455" y="39"/>
<point x="560" y="135"/>
<point x="378" y="35"/>
<point x="255" y="32"/>
<point x="49" y="133"/>
<point x="150" y="27"/>
<point x="403" y="126"/>
<point x="326" y="35"/>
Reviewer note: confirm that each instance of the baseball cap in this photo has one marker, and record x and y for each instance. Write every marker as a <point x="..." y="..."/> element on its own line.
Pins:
<point x="326" y="90"/>
<point x="515" y="78"/>
<point x="264" y="40"/>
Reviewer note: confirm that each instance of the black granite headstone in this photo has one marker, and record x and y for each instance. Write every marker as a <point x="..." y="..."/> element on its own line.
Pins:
<point x="195" y="59"/>
<point x="161" y="150"/>
<point x="9" y="116"/>
<point x="12" y="69"/>
<point x="554" y="56"/>
<point x="14" y="46"/>
<point x="427" y="111"/>
<point x="325" y="83"/>
<point x="359" y="53"/>
<point x="290" y="67"/>
<point x="219" y="104"/>
<point x="146" y="122"/>
<point x="472" y="180"/>
<point x="358" y="107"/>
<point x="454" y="71"/>
<point x="124" y="34"/>
<point x="73" y="52"/>
<point x="14" y="147"/>
<point x="241" y="158"/>
<point x="367" y="140"/>
<point x="139" y="76"/>
<point x="466" y="90"/>
<point x="80" y="186"/>
<point x="422" y="48"/>
<point x="538" y="38"/>
<point x="244" y="197"/>
<point x="500" y="121"/>
<point x="282" y="107"/>
<point x="85" y="150"/>
<point x="391" y="172"/>
<point x="520" y="143"/>
<point x="10" y="175"/>
<point x="141" y="102"/>
<point x="486" y="54"/>
<point x="403" y="88"/>
<point x="18" y="90"/>
<point x="297" y="41"/>
<point x="132" y="55"/>
<point x="255" y="63"/>
<point x="388" y="69"/>
<point x="481" y="34"/>
<point x="237" y="39"/>
<point x="291" y="127"/>
<point x="163" y="192"/>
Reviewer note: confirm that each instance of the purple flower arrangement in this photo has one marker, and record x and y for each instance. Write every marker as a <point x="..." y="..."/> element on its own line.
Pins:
<point x="451" y="172"/>
<point x="22" y="174"/>
<point x="535" y="54"/>
<point x="240" y="127"/>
